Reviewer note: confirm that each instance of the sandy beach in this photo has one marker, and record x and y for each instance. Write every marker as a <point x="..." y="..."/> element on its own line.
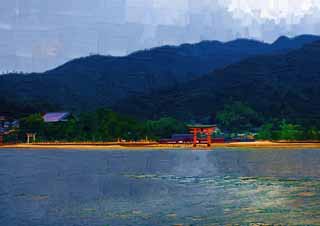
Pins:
<point x="156" y="146"/>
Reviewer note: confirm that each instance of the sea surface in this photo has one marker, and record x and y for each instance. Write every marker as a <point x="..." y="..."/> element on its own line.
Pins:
<point x="150" y="188"/>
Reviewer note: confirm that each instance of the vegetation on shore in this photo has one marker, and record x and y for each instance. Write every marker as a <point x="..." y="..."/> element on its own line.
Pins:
<point x="101" y="125"/>
<point x="106" y="125"/>
<point x="239" y="117"/>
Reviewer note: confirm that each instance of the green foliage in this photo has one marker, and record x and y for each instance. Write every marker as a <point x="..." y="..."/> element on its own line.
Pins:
<point x="312" y="133"/>
<point x="101" y="125"/>
<point x="266" y="132"/>
<point x="106" y="125"/>
<point x="32" y="123"/>
<point x="11" y="138"/>
<point x="272" y="85"/>
<point x="238" y="117"/>
<point x="287" y="131"/>
<point x="290" y="131"/>
<point x="163" y="127"/>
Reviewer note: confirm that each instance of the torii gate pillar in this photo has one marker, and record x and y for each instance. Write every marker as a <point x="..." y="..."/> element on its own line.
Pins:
<point x="195" y="137"/>
<point x="202" y="129"/>
<point x="32" y="136"/>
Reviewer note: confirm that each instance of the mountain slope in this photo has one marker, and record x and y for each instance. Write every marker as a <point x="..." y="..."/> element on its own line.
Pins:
<point x="285" y="85"/>
<point x="96" y="81"/>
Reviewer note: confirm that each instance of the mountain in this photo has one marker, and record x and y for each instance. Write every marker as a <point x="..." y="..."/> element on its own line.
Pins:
<point x="96" y="81"/>
<point x="285" y="86"/>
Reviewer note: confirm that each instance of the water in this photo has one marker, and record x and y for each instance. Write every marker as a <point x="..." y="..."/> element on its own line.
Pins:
<point x="71" y="188"/>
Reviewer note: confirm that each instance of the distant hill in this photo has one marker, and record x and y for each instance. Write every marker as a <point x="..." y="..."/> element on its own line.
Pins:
<point x="96" y="81"/>
<point x="285" y="85"/>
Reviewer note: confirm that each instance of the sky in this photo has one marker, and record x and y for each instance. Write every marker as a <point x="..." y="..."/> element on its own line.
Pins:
<point x="37" y="35"/>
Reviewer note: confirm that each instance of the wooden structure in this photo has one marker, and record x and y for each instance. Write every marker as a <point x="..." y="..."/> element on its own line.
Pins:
<point x="32" y="136"/>
<point x="208" y="130"/>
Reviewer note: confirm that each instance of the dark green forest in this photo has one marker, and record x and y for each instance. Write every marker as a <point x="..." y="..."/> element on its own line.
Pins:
<point x="101" y="125"/>
<point x="280" y="86"/>
<point x="101" y="81"/>
<point x="106" y="125"/>
<point x="270" y="90"/>
<point x="241" y="118"/>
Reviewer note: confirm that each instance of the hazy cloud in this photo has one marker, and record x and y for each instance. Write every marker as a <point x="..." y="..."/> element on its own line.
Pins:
<point x="40" y="34"/>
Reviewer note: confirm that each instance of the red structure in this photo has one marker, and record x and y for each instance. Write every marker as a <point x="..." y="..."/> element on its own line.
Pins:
<point x="208" y="130"/>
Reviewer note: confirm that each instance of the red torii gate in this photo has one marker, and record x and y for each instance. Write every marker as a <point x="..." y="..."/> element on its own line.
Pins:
<point x="202" y="129"/>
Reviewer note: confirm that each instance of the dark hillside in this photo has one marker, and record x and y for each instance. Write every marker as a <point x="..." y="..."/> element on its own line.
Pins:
<point x="98" y="81"/>
<point x="280" y="85"/>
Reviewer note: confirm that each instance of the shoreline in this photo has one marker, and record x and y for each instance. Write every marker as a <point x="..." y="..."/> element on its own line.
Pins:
<point x="156" y="146"/>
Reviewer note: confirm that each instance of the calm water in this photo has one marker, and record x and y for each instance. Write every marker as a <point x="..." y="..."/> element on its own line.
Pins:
<point x="57" y="188"/>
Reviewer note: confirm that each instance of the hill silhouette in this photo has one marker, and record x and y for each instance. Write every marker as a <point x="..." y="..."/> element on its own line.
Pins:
<point x="97" y="81"/>
<point x="285" y="85"/>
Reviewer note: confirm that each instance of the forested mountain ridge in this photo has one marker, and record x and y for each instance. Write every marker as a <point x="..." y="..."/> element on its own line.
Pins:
<point x="284" y="86"/>
<point x="98" y="81"/>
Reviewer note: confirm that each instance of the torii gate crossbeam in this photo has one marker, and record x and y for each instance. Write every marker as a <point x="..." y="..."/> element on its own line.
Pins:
<point x="208" y="130"/>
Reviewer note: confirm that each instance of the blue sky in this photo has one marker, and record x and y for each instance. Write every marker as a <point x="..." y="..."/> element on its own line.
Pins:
<point x="37" y="35"/>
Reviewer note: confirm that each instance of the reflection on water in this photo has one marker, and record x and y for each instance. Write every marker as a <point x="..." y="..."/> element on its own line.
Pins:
<point x="159" y="187"/>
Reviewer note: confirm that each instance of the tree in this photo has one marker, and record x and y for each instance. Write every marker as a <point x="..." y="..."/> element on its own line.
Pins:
<point x="33" y="123"/>
<point x="290" y="131"/>
<point x="312" y="134"/>
<point x="100" y="125"/>
<point x="163" y="127"/>
<point x="238" y="117"/>
<point x="266" y="132"/>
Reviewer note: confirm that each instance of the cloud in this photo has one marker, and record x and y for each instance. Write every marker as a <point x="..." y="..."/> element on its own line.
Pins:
<point x="273" y="9"/>
<point x="118" y="27"/>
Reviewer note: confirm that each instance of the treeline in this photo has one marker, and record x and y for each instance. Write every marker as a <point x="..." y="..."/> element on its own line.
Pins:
<point x="238" y="117"/>
<point x="101" y="125"/>
<point x="287" y="131"/>
<point x="106" y="125"/>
